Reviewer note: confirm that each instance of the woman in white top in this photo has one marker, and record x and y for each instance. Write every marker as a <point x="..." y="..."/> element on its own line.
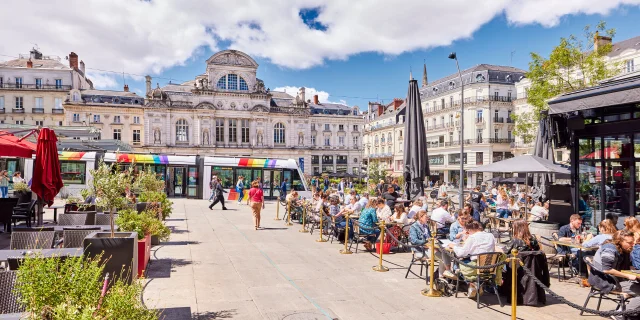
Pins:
<point x="17" y="178"/>
<point x="514" y="208"/>
<point x="383" y="212"/>
<point x="417" y="205"/>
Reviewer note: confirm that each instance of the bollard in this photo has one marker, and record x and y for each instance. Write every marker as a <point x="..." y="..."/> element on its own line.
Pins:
<point x="304" y="215"/>
<point x="432" y="292"/>
<point x="321" y="223"/>
<point x="288" y="223"/>
<point x="346" y="238"/>
<point x="277" y="210"/>
<point x="380" y="267"/>
<point x="514" y="273"/>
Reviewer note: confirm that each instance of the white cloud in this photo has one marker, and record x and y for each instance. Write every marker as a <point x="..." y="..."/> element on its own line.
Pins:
<point x="323" y="96"/>
<point x="102" y="80"/>
<point x="141" y="37"/>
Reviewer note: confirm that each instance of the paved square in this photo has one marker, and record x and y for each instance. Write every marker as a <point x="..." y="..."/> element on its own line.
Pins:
<point x="216" y="266"/>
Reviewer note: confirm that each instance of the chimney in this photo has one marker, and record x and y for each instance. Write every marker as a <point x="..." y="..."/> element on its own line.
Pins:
<point x="301" y="94"/>
<point x="29" y="64"/>
<point x="397" y="103"/>
<point x="73" y="60"/>
<point x="599" y="41"/>
<point x="315" y="99"/>
<point x="82" y="66"/>
<point x="148" y="82"/>
<point x="126" y="88"/>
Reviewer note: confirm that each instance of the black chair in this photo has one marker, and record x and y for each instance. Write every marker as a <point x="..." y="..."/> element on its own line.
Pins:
<point x="560" y="259"/>
<point x="6" y="211"/>
<point x="24" y="212"/>
<point x="8" y="298"/>
<point x="620" y="298"/>
<point x="483" y="276"/>
<point x="31" y="240"/>
<point x="418" y="257"/>
<point x="359" y="235"/>
<point x="72" y="219"/>
<point x="74" y="238"/>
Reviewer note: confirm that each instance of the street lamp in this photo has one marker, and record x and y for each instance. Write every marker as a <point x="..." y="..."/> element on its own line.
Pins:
<point x="453" y="56"/>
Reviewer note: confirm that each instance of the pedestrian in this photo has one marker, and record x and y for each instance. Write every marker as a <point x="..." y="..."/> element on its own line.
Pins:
<point x="4" y="184"/>
<point x="212" y="183"/>
<point x="341" y="186"/>
<point x="283" y="188"/>
<point x="326" y="183"/>
<point x="240" y="189"/>
<point x="313" y="184"/>
<point x="219" y="192"/>
<point x="256" y="196"/>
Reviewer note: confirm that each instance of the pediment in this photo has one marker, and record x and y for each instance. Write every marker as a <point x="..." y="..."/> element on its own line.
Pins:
<point x="232" y="58"/>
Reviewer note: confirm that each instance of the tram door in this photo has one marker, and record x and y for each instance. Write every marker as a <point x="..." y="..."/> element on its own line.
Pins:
<point x="271" y="183"/>
<point x="177" y="181"/>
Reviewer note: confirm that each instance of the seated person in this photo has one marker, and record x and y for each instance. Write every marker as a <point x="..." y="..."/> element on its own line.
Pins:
<point x="364" y="200"/>
<point x="390" y="196"/>
<point x="400" y="215"/>
<point x="457" y="231"/>
<point x="522" y="239"/>
<point x="417" y="205"/>
<point x="353" y="208"/>
<point x="610" y="259"/>
<point x="368" y="222"/>
<point x="383" y="212"/>
<point x="514" y="208"/>
<point x="606" y="229"/>
<point x="295" y="204"/>
<point x="348" y="196"/>
<point x="419" y="234"/>
<point x="442" y="217"/>
<point x="425" y="204"/>
<point x="475" y="198"/>
<point x="538" y="212"/>
<point x="478" y="242"/>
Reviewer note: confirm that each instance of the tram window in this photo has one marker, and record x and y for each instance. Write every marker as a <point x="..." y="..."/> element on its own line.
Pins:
<point x="73" y="172"/>
<point x="297" y="182"/>
<point x="246" y="173"/>
<point x="225" y="174"/>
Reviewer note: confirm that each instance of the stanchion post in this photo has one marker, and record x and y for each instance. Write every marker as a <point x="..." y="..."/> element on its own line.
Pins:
<point x="277" y="210"/>
<point x="288" y="223"/>
<point x="380" y="267"/>
<point x="304" y="216"/>
<point x="432" y="291"/>
<point x="321" y="223"/>
<point x="346" y="238"/>
<point x="514" y="272"/>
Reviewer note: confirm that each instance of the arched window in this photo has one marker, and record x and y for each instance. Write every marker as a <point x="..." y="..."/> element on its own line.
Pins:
<point x="278" y="133"/>
<point x="182" y="131"/>
<point x="222" y="83"/>
<point x="232" y="81"/>
<point x="243" y="85"/>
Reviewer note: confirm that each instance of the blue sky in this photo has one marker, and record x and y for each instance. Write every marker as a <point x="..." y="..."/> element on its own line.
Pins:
<point x="367" y="76"/>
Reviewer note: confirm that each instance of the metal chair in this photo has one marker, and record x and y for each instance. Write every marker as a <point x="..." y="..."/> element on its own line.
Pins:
<point x="483" y="276"/>
<point x="418" y="257"/>
<point x="559" y="259"/>
<point x="361" y="233"/>
<point x="103" y="219"/>
<point x="32" y="240"/>
<point x="74" y="238"/>
<point x="75" y="219"/>
<point x="8" y="298"/>
<point x="23" y="212"/>
<point x="620" y="298"/>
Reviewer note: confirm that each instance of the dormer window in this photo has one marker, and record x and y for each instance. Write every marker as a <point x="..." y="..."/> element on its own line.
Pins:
<point x="480" y="78"/>
<point x="435" y="90"/>
<point x="232" y="82"/>
<point x="508" y="78"/>
<point x="452" y="85"/>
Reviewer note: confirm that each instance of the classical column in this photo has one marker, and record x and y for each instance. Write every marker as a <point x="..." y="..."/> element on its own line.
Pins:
<point x="252" y="132"/>
<point x="196" y="133"/>
<point x="147" y="131"/>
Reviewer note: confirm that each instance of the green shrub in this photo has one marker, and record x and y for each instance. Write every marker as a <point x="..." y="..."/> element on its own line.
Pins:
<point x="160" y="197"/>
<point x="143" y="224"/>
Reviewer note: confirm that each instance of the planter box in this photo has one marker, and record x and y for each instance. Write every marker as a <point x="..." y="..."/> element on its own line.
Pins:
<point x="155" y="240"/>
<point x="144" y="253"/>
<point x="70" y="207"/>
<point x="23" y="197"/>
<point x="91" y="216"/>
<point x="118" y="253"/>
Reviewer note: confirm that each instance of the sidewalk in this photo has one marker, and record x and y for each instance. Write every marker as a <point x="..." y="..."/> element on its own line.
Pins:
<point x="216" y="266"/>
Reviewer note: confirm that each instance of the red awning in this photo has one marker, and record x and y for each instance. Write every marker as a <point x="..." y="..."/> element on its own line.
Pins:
<point x="11" y="147"/>
<point x="607" y="153"/>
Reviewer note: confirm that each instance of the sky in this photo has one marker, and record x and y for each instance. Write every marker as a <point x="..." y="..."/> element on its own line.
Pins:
<point x="350" y="52"/>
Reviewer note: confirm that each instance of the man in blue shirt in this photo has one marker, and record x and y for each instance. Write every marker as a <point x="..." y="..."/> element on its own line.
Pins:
<point x="283" y="188"/>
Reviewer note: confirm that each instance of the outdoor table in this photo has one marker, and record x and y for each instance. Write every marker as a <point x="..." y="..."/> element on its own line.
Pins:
<point x="580" y="249"/>
<point x="104" y="227"/>
<point x="633" y="272"/>
<point x="46" y="253"/>
<point x="55" y="212"/>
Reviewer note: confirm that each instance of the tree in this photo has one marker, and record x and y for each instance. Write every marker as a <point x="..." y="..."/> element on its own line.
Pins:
<point x="376" y="173"/>
<point x="571" y="66"/>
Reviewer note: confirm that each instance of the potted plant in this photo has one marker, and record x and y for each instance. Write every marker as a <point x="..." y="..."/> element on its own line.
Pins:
<point x="144" y="225"/>
<point x="22" y="192"/>
<point x="71" y="204"/>
<point x="118" y="249"/>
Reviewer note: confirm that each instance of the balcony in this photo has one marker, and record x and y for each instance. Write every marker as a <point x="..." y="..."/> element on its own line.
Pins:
<point x="498" y="120"/>
<point x="57" y="111"/>
<point x="18" y="110"/>
<point x="23" y="86"/>
<point x="467" y="101"/>
<point x="37" y="110"/>
<point x="509" y="120"/>
<point x="329" y="162"/>
<point x="500" y="140"/>
<point x="480" y="122"/>
<point x="341" y="161"/>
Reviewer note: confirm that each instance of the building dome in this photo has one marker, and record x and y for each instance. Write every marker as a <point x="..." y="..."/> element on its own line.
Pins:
<point x="158" y="94"/>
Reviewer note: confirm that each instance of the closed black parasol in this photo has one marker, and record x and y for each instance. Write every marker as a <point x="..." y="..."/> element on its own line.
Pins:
<point x="416" y="162"/>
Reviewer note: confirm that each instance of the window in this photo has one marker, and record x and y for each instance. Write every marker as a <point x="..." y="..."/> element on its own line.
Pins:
<point x="313" y="140"/>
<point x="60" y="123"/>
<point x="136" y="120"/>
<point x="244" y="127"/>
<point x="136" y="136"/>
<point x="509" y="135"/>
<point x="450" y="136"/>
<point x="389" y="137"/>
<point x="479" y="158"/>
<point x="182" y="131"/>
<point x="629" y="65"/>
<point x="558" y="155"/>
<point x="479" y="136"/>
<point x="96" y="118"/>
<point x="450" y="119"/>
<point x="509" y="96"/>
<point x="355" y="127"/>
<point x="313" y="127"/>
<point x="442" y="120"/>
<point x="479" y="115"/>
<point x="1" y="102"/>
<point x="18" y="82"/>
<point x="116" y="119"/>
<point x="383" y="139"/>
<point x="73" y="172"/>
<point x="327" y="141"/>
<point x="243" y="85"/>
<point x="355" y="142"/>
<point x="232" y="81"/>
<point x="57" y="103"/>
<point x="451" y="101"/>
<point x="341" y="127"/>
<point x="39" y="103"/>
<point x="219" y="130"/>
<point x="19" y="122"/>
<point x="326" y="127"/>
<point x="341" y="141"/>
<point x="58" y="83"/>
<point x="442" y="102"/>
<point x="496" y="132"/>
<point x="495" y="96"/>
<point x="495" y="115"/>
<point x="233" y="130"/>
<point x="38" y="83"/>
<point x="278" y="133"/>
<point x="222" y="83"/>
<point x="117" y="134"/>
<point x="19" y="103"/>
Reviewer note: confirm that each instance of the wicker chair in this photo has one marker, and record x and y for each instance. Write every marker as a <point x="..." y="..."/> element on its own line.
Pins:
<point x="74" y="238"/>
<point x="103" y="219"/>
<point x="32" y="240"/>
<point x="75" y="219"/>
<point x="8" y="298"/>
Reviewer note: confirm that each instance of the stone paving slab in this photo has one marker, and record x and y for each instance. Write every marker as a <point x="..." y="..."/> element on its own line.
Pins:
<point x="216" y="266"/>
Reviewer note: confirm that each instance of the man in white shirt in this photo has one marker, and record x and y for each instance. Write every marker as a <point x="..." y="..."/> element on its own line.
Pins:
<point x="417" y="206"/>
<point x="441" y="215"/>
<point x="347" y="198"/>
<point x="353" y="208"/>
<point x="364" y="200"/>
<point x="494" y="192"/>
<point x="538" y="212"/>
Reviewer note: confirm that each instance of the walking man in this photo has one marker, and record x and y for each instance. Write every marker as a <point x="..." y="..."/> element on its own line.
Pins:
<point x="212" y="183"/>
<point x="219" y="192"/>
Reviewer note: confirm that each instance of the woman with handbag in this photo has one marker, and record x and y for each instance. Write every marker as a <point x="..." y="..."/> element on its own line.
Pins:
<point x="256" y="196"/>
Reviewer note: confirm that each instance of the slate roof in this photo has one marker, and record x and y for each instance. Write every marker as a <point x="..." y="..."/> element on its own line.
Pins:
<point x="111" y="93"/>
<point x="37" y="63"/>
<point x="482" y="73"/>
<point x="619" y="47"/>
